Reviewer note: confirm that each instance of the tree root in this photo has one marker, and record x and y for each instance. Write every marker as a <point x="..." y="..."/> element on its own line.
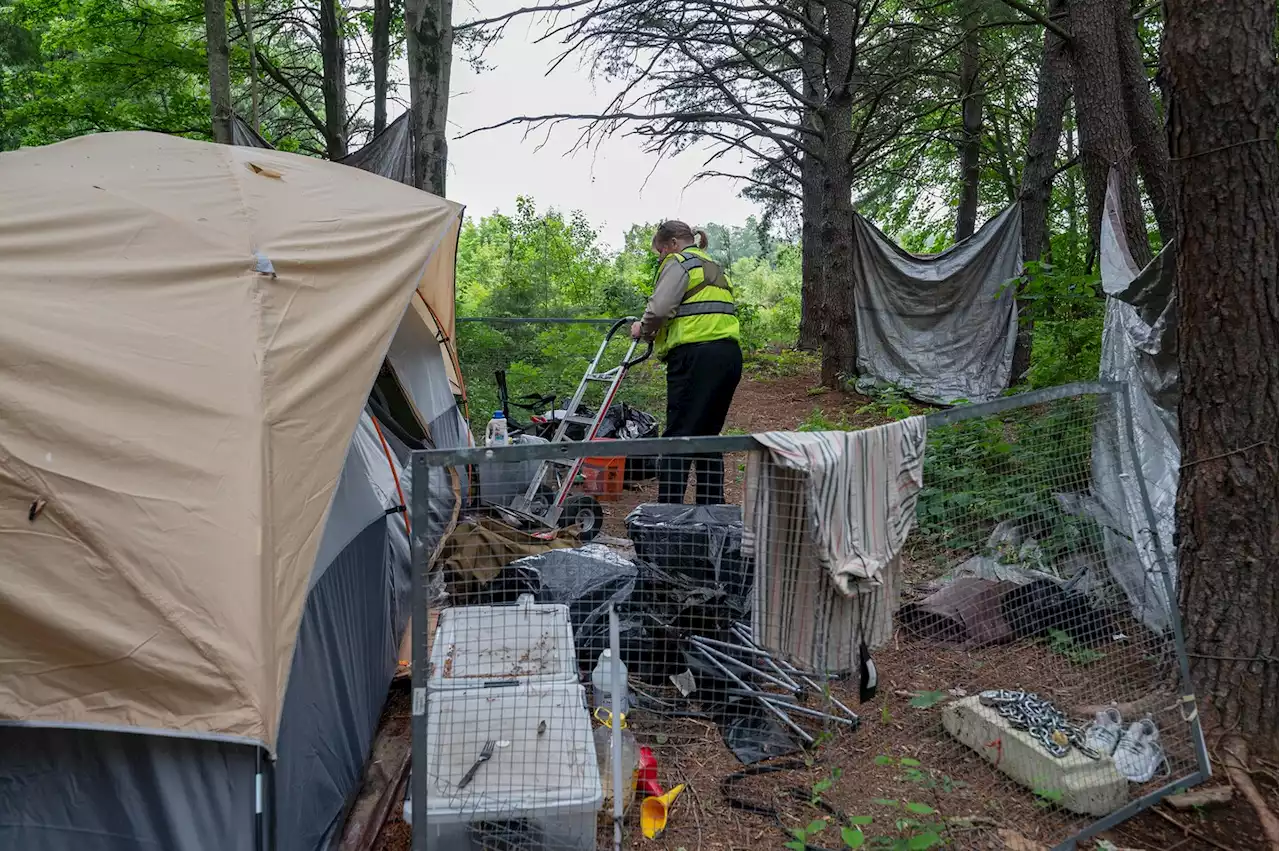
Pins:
<point x="1237" y="764"/>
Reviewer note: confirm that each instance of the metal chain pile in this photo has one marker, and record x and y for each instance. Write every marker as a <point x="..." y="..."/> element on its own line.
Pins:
<point x="1033" y="714"/>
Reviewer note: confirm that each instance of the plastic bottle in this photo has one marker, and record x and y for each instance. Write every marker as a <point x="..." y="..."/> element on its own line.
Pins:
<point x="602" y="737"/>
<point x="602" y="683"/>
<point x="495" y="434"/>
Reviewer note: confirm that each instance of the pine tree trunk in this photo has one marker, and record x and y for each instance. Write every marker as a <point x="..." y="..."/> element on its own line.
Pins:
<point x="333" y="56"/>
<point x="1220" y="61"/>
<point x="215" y="28"/>
<point x="811" y="177"/>
<point x="429" y="45"/>
<point x="1053" y="90"/>
<point x="1104" y="125"/>
<point x="839" y="348"/>
<point x="1150" y="148"/>
<point x="381" y="57"/>
<point x="971" y="133"/>
<point x="255" y="98"/>
<point x="811" y="254"/>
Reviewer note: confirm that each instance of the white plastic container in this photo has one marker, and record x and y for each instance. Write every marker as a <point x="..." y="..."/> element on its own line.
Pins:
<point x="495" y="434"/>
<point x="543" y="787"/>
<point x="525" y="643"/>
<point x="602" y="682"/>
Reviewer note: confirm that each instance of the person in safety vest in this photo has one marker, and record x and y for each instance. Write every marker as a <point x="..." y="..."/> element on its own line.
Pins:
<point x="692" y="321"/>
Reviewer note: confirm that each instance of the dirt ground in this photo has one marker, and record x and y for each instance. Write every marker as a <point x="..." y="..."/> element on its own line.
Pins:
<point x="861" y="771"/>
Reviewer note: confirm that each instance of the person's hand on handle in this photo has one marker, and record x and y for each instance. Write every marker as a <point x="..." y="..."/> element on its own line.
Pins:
<point x="635" y="330"/>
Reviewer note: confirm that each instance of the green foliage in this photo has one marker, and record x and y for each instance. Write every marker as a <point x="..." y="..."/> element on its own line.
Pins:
<point x="1067" y="309"/>
<point x="1076" y="653"/>
<point x="1047" y="798"/>
<point x="928" y="699"/>
<point x="86" y="66"/>
<point x="980" y="472"/>
<point x="545" y="263"/>
<point x="912" y="827"/>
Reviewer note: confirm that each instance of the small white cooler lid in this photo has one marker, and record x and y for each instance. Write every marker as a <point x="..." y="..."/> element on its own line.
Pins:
<point x="531" y="774"/>
<point x="526" y="642"/>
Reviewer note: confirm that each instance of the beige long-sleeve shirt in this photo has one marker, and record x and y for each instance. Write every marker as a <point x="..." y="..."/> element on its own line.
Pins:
<point x="668" y="293"/>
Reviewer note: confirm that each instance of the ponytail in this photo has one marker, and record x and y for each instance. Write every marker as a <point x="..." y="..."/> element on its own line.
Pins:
<point x="700" y="239"/>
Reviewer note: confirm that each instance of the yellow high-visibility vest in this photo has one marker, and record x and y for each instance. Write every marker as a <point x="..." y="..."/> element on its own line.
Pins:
<point x="707" y="312"/>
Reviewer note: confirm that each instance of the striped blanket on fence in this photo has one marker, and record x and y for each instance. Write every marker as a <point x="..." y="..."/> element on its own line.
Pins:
<point x="826" y="516"/>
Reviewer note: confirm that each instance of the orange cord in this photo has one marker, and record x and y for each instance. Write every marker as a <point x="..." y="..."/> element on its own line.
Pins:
<point x="453" y="356"/>
<point x="386" y="450"/>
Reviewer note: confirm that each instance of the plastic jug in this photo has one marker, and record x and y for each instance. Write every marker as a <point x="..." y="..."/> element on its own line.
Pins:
<point x="603" y="739"/>
<point x="495" y="434"/>
<point x="602" y="683"/>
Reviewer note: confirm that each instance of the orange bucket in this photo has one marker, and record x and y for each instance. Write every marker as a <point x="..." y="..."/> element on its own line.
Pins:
<point x="603" y="477"/>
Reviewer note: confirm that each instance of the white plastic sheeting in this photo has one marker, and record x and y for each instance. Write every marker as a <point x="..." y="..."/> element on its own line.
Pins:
<point x="941" y="326"/>
<point x="1138" y="350"/>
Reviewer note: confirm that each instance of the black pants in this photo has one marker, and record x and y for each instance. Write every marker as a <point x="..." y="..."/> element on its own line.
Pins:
<point x="701" y="378"/>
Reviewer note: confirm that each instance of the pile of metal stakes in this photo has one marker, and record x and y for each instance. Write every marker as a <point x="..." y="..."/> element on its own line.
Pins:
<point x="759" y="676"/>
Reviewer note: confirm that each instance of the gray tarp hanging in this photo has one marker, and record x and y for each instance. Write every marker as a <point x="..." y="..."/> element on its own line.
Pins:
<point x="1139" y="349"/>
<point x="941" y="326"/>
<point x="245" y="136"/>
<point x="389" y="154"/>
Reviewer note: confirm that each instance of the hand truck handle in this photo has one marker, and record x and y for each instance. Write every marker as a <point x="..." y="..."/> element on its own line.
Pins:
<point x="627" y="320"/>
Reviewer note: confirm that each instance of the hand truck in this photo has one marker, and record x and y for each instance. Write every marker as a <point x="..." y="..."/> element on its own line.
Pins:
<point x="546" y="500"/>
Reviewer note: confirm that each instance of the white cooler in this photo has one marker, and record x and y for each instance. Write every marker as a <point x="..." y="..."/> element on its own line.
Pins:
<point x="539" y="789"/>
<point x="525" y="643"/>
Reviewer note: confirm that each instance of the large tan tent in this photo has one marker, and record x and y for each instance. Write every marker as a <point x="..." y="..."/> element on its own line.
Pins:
<point x="189" y="455"/>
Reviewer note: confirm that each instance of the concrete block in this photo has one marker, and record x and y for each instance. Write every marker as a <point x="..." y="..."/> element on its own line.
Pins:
<point x="1086" y="786"/>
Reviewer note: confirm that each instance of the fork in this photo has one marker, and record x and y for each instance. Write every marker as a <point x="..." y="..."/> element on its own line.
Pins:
<point x="485" y="753"/>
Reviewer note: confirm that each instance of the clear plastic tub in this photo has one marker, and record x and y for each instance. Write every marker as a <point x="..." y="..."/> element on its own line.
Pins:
<point x="540" y="789"/>
<point x="524" y="643"/>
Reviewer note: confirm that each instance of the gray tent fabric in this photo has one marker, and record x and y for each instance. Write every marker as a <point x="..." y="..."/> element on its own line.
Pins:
<point x="245" y="136"/>
<point x="389" y="154"/>
<point x="942" y="326"/>
<point x="96" y="790"/>
<point x="345" y="658"/>
<point x="1139" y="349"/>
<point x="99" y="790"/>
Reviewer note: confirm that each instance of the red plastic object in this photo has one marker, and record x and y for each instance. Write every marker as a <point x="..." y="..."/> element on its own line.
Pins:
<point x="603" y="477"/>
<point x="647" y="775"/>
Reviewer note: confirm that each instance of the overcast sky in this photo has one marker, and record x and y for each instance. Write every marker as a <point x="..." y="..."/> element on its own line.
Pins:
<point x="615" y="185"/>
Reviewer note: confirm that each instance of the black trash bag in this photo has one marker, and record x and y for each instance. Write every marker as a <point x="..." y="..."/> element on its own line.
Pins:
<point x="587" y="580"/>
<point x="1034" y="609"/>
<point x="702" y="542"/>
<point x="623" y="422"/>
<point x="752" y="734"/>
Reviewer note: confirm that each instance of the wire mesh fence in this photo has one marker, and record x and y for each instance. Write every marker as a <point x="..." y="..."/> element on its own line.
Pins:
<point x="927" y="634"/>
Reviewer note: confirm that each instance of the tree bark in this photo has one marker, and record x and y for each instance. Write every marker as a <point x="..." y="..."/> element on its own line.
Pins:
<point x="1220" y="63"/>
<point x="255" y="99"/>
<point x="839" y="344"/>
<point x="429" y="44"/>
<point x="215" y="29"/>
<point x="1104" y="126"/>
<point x="381" y="58"/>
<point x="1053" y="90"/>
<point x="811" y="179"/>
<point x="971" y="132"/>
<point x="333" y="56"/>
<point x="811" y="254"/>
<point x="1150" y="148"/>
